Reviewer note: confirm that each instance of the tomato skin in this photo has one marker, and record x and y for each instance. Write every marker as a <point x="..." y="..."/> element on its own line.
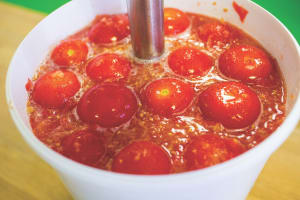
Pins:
<point x="246" y="63"/>
<point x="142" y="157"/>
<point x="216" y="35"/>
<point x="175" y="21"/>
<point x="53" y="89"/>
<point x="108" y="66"/>
<point x="208" y="150"/>
<point x="233" y="104"/>
<point x="108" y="105"/>
<point x="168" y="96"/>
<point x="109" y="29"/>
<point x="69" y="53"/>
<point x="187" y="61"/>
<point x="84" y="147"/>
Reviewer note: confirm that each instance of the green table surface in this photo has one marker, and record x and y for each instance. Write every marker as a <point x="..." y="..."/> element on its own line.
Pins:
<point x="285" y="10"/>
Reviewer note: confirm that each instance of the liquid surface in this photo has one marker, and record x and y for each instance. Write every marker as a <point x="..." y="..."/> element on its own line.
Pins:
<point x="172" y="133"/>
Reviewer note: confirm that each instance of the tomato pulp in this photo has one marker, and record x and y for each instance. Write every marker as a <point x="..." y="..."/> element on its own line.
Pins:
<point x="216" y="94"/>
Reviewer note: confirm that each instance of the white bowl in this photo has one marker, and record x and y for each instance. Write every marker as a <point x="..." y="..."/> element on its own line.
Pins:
<point x="230" y="180"/>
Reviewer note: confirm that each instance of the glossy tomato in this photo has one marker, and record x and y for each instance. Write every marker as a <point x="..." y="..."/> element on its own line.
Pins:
<point x="175" y="21"/>
<point x="69" y="53"/>
<point x="108" y="105"/>
<point x="168" y="96"/>
<point x="188" y="61"/>
<point x="207" y="150"/>
<point x="142" y="158"/>
<point x="55" y="88"/>
<point x="109" y="29"/>
<point x="108" y="66"/>
<point x="246" y="63"/>
<point x="233" y="104"/>
<point x="84" y="147"/>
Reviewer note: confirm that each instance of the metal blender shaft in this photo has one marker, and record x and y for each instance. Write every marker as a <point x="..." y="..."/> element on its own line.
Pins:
<point x="147" y="28"/>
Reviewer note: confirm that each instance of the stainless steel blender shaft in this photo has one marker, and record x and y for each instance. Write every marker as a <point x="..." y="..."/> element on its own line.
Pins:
<point x="147" y="28"/>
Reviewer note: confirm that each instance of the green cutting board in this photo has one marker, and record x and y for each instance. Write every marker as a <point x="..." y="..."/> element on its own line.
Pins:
<point x="287" y="11"/>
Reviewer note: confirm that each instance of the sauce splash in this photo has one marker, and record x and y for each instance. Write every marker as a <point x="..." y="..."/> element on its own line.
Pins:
<point x="242" y="12"/>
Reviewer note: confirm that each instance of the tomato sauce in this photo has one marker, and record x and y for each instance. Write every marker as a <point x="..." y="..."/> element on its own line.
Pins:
<point x="242" y="12"/>
<point x="161" y="121"/>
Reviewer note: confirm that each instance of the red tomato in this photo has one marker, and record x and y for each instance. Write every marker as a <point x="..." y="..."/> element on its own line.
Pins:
<point x="215" y="34"/>
<point x="84" y="147"/>
<point x="142" y="158"/>
<point x="54" y="88"/>
<point x="168" y="96"/>
<point x="69" y="53"/>
<point x="187" y="61"/>
<point x="107" y="105"/>
<point x="108" y="67"/>
<point x="246" y="63"/>
<point x="109" y="29"/>
<point x="233" y="104"/>
<point x="210" y="149"/>
<point x="175" y="21"/>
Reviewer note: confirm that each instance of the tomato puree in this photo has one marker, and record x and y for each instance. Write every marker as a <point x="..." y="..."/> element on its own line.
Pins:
<point x="215" y="94"/>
